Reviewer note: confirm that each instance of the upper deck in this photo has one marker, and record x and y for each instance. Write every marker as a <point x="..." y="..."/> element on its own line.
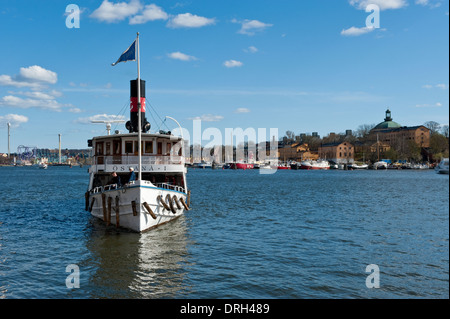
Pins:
<point x="160" y="153"/>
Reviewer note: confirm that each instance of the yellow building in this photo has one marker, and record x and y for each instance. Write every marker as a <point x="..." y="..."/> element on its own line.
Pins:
<point x="296" y="152"/>
<point x="337" y="152"/>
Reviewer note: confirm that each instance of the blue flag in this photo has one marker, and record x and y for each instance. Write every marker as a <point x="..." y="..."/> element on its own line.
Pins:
<point x="128" y="55"/>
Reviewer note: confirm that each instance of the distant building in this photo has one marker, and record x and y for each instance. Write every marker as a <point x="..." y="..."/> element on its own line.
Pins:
<point x="342" y="153"/>
<point x="379" y="147"/>
<point x="397" y="136"/>
<point x="296" y="152"/>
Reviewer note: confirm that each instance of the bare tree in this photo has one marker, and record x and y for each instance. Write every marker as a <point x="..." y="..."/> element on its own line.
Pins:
<point x="444" y="130"/>
<point x="433" y="126"/>
<point x="364" y="130"/>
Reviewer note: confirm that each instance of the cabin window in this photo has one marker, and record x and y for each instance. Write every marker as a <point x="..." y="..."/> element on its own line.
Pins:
<point x="128" y="147"/>
<point x="159" y="148"/>
<point x="99" y="150"/>
<point x="169" y="147"/>
<point x="340" y="154"/>
<point x="136" y="149"/>
<point x="148" y="147"/>
<point x="108" y="148"/>
<point x="116" y="148"/>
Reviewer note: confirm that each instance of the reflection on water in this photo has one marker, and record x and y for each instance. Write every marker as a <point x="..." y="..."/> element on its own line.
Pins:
<point x="131" y="265"/>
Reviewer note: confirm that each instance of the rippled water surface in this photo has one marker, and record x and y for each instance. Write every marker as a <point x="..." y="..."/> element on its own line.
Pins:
<point x="293" y="234"/>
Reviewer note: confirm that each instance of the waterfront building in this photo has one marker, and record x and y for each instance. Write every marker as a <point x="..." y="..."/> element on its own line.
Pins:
<point x="398" y="136"/>
<point x="341" y="153"/>
<point x="296" y="152"/>
<point x="410" y="142"/>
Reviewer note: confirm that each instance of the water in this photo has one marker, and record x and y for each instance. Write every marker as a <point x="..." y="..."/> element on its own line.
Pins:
<point x="294" y="234"/>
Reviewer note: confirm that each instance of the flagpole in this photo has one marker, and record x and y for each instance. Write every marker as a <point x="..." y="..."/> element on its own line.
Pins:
<point x="139" y="112"/>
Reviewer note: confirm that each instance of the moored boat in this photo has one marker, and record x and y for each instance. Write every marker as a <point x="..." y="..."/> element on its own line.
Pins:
<point x="358" y="166"/>
<point x="283" y="166"/>
<point x="442" y="167"/>
<point x="315" y="165"/>
<point x="380" y="165"/>
<point x="243" y="166"/>
<point x="295" y="166"/>
<point x="203" y="165"/>
<point x="43" y="165"/>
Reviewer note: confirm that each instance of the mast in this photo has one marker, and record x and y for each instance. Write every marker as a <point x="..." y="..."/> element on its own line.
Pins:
<point x="378" y="148"/>
<point x="9" y="137"/>
<point x="139" y="112"/>
<point x="59" y="137"/>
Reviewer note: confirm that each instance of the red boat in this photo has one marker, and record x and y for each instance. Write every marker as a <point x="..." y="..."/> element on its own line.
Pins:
<point x="241" y="166"/>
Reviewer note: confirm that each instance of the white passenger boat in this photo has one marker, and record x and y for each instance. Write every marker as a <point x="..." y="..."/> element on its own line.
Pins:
<point x="442" y="168"/>
<point x="157" y="191"/>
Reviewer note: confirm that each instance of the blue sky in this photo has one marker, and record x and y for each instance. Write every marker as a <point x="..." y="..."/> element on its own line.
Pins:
<point x="305" y="66"/>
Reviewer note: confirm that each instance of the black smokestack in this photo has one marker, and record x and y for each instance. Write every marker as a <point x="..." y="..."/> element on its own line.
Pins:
<point x="132" y="125"/>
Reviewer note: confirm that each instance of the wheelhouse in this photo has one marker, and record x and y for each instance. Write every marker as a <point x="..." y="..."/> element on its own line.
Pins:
<point x="162" y="160"/>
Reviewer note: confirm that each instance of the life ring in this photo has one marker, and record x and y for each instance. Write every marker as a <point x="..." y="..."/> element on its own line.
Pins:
<point x="171" y="203"/>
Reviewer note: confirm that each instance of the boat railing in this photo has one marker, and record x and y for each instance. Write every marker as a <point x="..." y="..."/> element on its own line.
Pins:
<point x="146" y="160"/>
<point x="170" y="186"/>
<point x="101" y="189"/>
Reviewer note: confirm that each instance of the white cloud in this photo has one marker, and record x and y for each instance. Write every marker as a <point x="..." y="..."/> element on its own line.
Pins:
<point x="233" y="64"/>
<point x="75" y="110"/>
<point x="46" y="104"/>
<point x="442" y="86"/>
<point x="114" y="12"/>
<point x="354" y="31"/>
<point x="14" y="119"/>
<point x="7" y="80"/>
<point x="188" y="20"/>
<point x="151" y="12"/>
<point x="251" y="49"/>
<point x="37" y="95"/>
<point x="100" y="117"/>
<point x="383" y="4"/>
<point x="36" y="73"/>
<point x="208" y="118"/>
<point x="34" y="77"/>
<point x="429" y="105"/>
<point x="181" y="56"/>
<point x="250" y="27"/>
<point x="242" y="110"/>
<point x="429" y="3"/>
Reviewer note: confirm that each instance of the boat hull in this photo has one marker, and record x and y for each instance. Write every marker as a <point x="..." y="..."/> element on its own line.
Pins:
<point x="132" y="203"/>
<point x="241" y="166"/>
<point x="314" y="166"/>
